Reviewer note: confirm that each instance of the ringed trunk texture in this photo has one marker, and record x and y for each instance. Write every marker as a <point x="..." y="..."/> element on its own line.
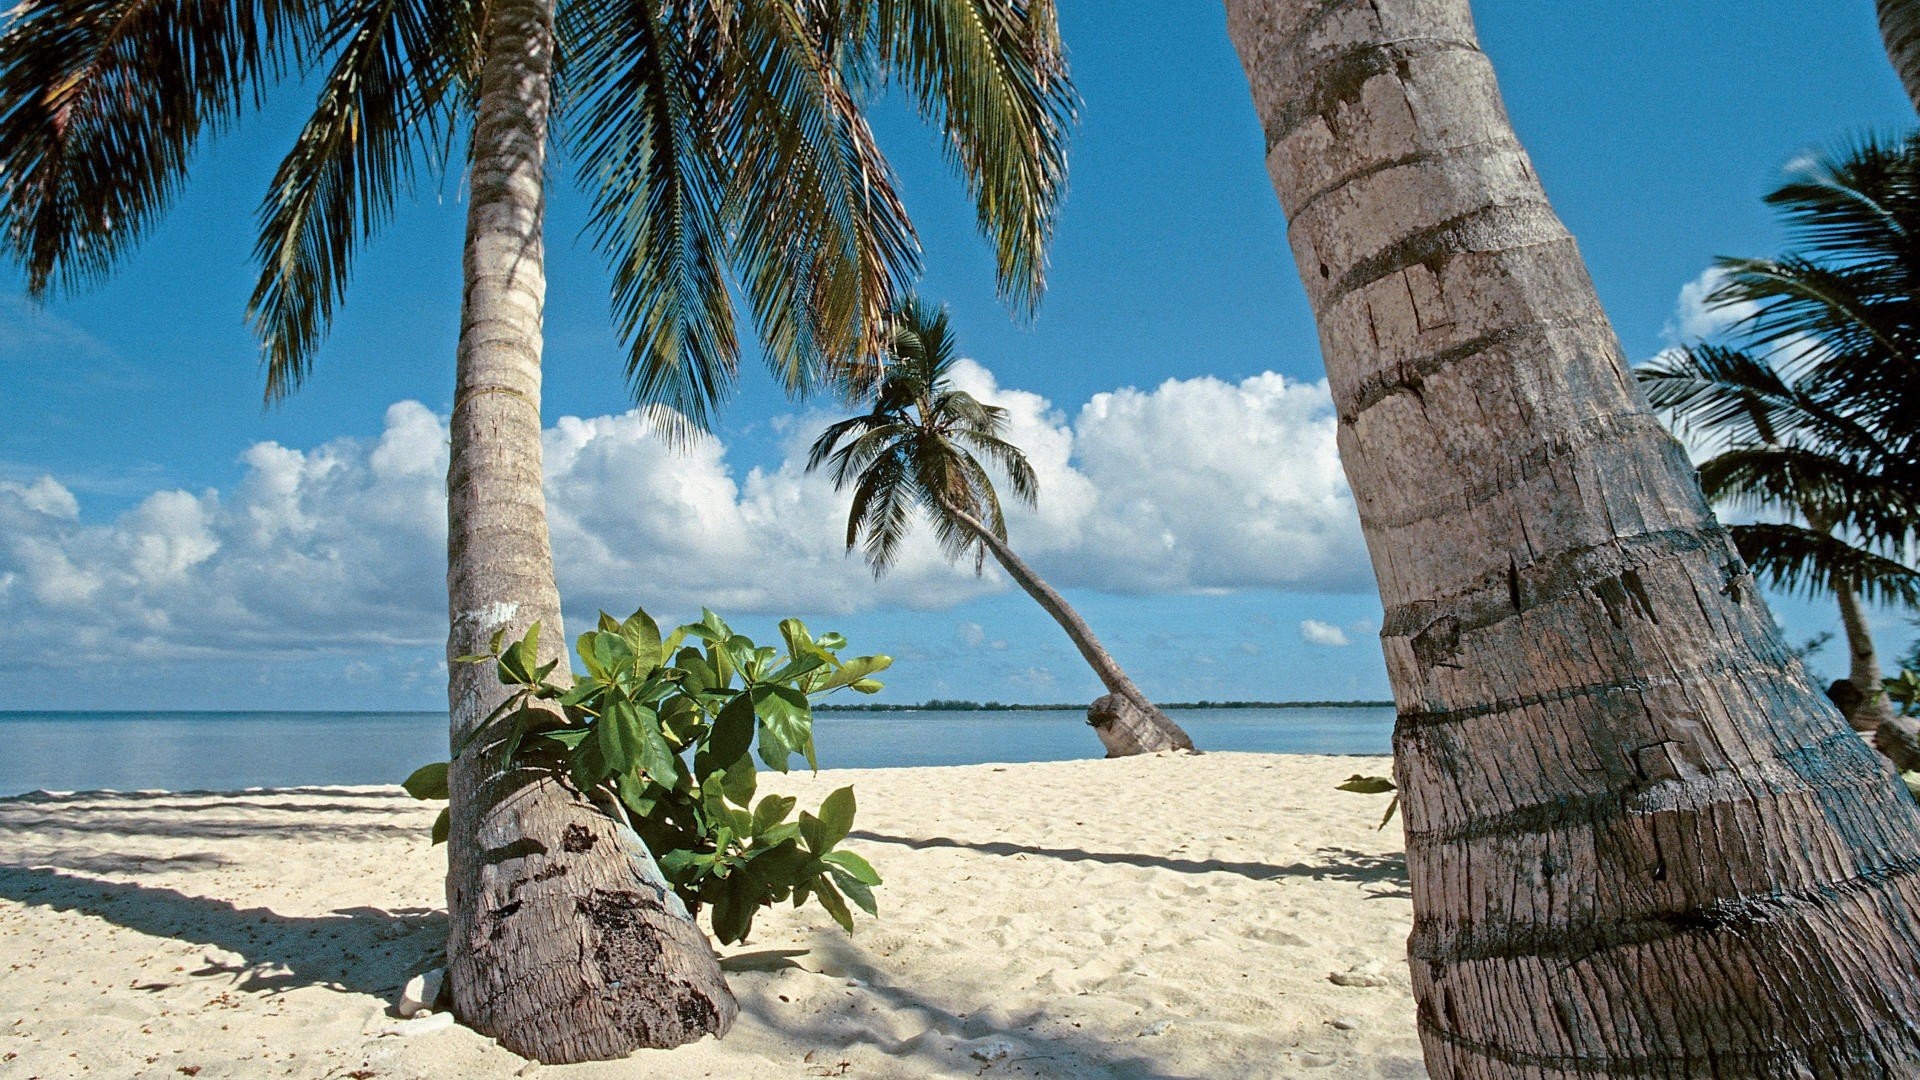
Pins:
<point x="1640" y="843"/>
<point x="1125" y="720"/>
<point x="565" y="943"/>
<point x="1900" y="31"/>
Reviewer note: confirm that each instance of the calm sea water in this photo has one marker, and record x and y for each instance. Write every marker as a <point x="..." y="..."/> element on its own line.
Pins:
<point x="65" y="751"/>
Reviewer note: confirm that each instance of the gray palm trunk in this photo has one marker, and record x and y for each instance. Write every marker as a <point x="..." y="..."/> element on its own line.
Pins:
<point x="1900" y="31"/>
<point x="565" y="943"/>
<point x="1863" y="663"/>
<point x="1896" y="736"/>
<point x="1640" y="842"/>
<point x="1135" y="727"/>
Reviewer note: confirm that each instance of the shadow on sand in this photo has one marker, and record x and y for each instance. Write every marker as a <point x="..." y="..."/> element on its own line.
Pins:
<point x="363" y="950"/>
<point x="1338" y="864"/>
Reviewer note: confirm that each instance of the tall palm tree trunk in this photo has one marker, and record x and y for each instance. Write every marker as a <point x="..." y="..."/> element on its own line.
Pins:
<point x="1640" y="844"/>
<point x="1863" y="663"/>
<point x="1900" y="31"/>
<point x="565" y="943"/>
<point x="1896" y="736"/>
<point x="1141" y="729"/>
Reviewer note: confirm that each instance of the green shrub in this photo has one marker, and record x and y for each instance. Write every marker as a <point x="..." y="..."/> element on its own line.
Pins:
<point x="660" y="729"/>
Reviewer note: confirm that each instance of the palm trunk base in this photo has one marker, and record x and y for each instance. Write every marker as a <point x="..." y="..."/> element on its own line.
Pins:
<point x="1898" y="737"/>
<point x="1127" y="727"/>
<point x="566" y="942"/>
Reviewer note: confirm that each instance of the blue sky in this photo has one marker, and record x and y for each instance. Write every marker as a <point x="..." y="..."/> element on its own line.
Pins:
<point x="167" y="543"/>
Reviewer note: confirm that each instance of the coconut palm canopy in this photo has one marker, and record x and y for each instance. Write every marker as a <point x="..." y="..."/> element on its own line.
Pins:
<point x="917" y="447"/>
<point x="1814" y="412"/>
<point x="721" y="144"/>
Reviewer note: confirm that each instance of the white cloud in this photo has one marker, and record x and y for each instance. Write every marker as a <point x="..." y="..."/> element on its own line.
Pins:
<point x="1197" y="485"/>
<point x="1323" y="634"/>
<point x="1694" y="320"/>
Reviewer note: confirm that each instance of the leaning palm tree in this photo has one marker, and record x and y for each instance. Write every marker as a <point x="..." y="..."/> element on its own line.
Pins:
<point x="915" y="448"/>
<point x="1633" y="829"/>
<point x="1900" y="33"/>
<point x="1792" y="452"/>
<point x="724" y="148"/>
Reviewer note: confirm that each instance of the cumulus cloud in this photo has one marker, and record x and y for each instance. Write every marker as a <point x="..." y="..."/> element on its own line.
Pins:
<point x="1695" y="320"/>
<point x="1197" y="485"/>
<point x="1327" y="635"/>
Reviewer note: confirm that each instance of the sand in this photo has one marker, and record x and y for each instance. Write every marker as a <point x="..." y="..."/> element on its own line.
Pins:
<point x="1168" y="916"/>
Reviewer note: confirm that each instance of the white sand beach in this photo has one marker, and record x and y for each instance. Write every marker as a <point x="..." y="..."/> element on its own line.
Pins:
<point x="1220" y="915"/>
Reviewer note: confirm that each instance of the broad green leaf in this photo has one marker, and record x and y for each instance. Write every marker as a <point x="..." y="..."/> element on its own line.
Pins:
<point x="739" y="781"/>
<point x="700" y="676"/>
<point x="856" y="890"/>
<point x="570" y="738"/>
<point x="798" y="667"/>
<point x="794" y="633"/>
<point x="733" y="911"/>
<point x="867" y="686"/>
<point x="682" y="720"/>
<point x="831" y="900"/>
<point x="832" y="641"/>
<point x="583" y="692"/>
<point x="672" y="644"/>
<point x="1365" y="785"/>
<point x="855" y="866"/>
<point x="427" y="781"/>
<point x="786" y="716"/>
<point x="855" y="670"/>
<point x="836" y="819"/>
<point x="1392" y="805"/>
<point x="781" y="863"/>
<point x="587" y="764"/>
<point x="643" y="635"/>
<point x="520" y="663"/>
<point x="636" y="795"/>
<point x="613" y="654"/>
<point x="772" y="811"/>
<point x="442" y="825"/>
<point x="620" y="738"/>
<point x="731" y="738"/>
<point x="656" y="754"/>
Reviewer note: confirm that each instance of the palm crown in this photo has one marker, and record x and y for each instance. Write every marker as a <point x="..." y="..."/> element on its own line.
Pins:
<point x="721" y="143"/>
<point x="1816" y="413"/>
<point x="917" y="447"/>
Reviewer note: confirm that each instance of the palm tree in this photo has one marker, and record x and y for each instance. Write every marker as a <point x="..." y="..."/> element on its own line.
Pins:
<point x="915" y="448"/>
<point x="1900" y="32"/>
<point x="1790" y="449"/>
<point x="1838" y="318"/>
<point x="719" y="143"/>
<point x="1633" y="829"/>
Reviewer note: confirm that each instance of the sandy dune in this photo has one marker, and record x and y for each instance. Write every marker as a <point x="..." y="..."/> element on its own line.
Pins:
<point x="1173" y="916"/>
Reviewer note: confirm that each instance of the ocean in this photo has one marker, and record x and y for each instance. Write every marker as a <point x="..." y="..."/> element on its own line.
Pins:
<point x="219" y="751"/>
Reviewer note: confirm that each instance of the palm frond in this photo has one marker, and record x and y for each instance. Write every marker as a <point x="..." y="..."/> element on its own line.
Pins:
<point x="992" y="74"/>
<point x="822" y="242"/>
<point x="102" y="103"/>
<point x="633" y="85"/>
<point x="1814" y="563"/>
<point x="383" y="107"/>
<point x="1743" y="399"/>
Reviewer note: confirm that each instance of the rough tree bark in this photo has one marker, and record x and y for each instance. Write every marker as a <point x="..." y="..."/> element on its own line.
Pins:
<point x="1640" y="844"/>
<point x="1900" y="31"/>
<point x="565" y="942"/>
<point x="1125" y="720"/>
